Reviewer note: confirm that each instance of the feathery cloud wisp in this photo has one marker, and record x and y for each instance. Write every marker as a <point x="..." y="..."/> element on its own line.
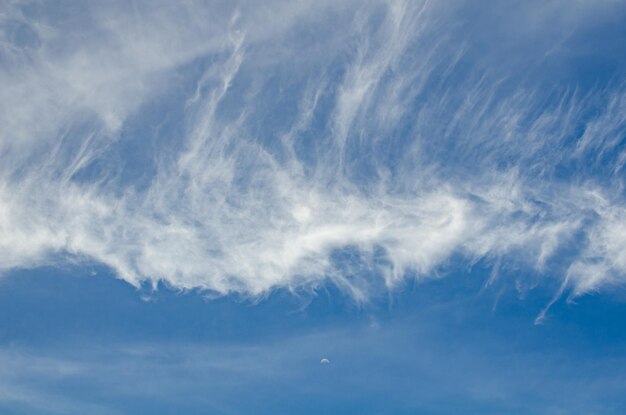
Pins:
<point x="228" y="150"/>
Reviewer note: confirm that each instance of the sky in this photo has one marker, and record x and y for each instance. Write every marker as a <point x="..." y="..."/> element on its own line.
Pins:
<point x="305" y="207"/>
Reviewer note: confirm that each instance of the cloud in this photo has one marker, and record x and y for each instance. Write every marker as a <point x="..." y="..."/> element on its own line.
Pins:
<point x="225" y="149"/>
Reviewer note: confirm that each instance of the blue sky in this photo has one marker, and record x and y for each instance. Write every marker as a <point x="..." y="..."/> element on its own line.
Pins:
<point x="200" y="201"/>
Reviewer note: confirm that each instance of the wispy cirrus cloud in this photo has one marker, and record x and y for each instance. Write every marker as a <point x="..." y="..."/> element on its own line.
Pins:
<point x="224" y="148"/>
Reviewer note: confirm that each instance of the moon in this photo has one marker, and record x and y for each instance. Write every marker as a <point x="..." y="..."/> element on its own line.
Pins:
<point x="324" y="361"/>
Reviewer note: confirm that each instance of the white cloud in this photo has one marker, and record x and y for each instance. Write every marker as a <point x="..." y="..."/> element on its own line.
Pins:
<point x="394" y="137"/>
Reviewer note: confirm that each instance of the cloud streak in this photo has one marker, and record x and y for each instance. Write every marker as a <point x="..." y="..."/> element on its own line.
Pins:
<point x="228" y="150"/>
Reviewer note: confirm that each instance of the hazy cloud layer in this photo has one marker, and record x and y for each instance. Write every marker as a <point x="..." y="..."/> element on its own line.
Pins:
<point x="243" y="148"/>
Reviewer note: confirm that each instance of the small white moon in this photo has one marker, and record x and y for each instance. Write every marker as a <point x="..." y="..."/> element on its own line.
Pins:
<point x="324" y="361"/>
